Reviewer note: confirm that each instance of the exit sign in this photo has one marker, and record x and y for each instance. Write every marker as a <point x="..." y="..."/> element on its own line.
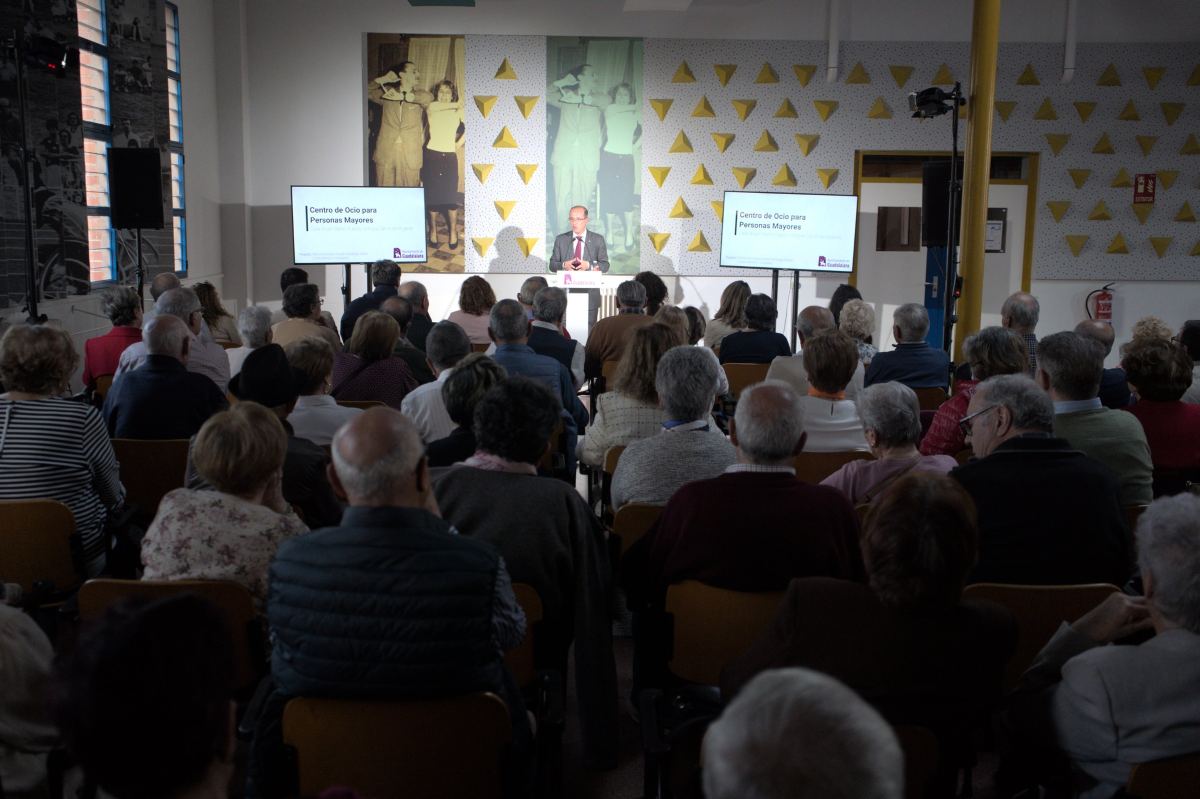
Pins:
<point x="1143" y="187"/>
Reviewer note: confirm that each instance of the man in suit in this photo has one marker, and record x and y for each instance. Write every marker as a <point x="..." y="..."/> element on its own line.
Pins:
<point x="421" y="323"/>
<point x="913" y="363"/>
<point x="575" y="155"/>
<point x="401" y="310"/>
<point x="1108" y="707"/>
<point x="385" y="278"/>
<point x="579" y="250"/>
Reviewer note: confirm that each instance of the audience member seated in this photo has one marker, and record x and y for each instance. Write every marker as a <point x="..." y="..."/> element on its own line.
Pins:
<point x="385" y="279"/>
<point x="1160" y="372"/>
<point x="161" y="283"/>
<point x="529" y="289"/>
<point x="913" y="363"/>
<point x="697" y="325"/>
<point x="843" y="294"/>
<point x="677" y="318"/>
<point x="1107" y="707"/>
<point x="687" y="445"/>
<point x="991" y="352"/>
<point x="205" y="356"/>
<point x="123" y="308"/>
<point x="730" y="316"/>
<point x="1150" y="327"/>
<point x="475" y="301"/>
<point x="232" y="532"/>
<point x="891" y="420"/>
<point x="857" y="321"/>
<point x="798" y="734"/>
<point x="221" y="323"/>
<point x="631" y="408"/>
<point x="549" y="539"/>
<point x="608" y="337"/>
<point x="401" y="310"/>
<point x="368" y="371"/>
<point x="28" y="733"/>
<point x="317" y="416"/>
<point x="1069" y="368"/>
<point x="446" y="346"/>
<point x="162" y="399"/>
<point x="302" y="304"/>
<point x="1189" y="339"/>
<point x="145" y="701"/>
<point x="790" y="368"/>
<point x="756" y="526"/>
<point x="421" y="323"/>
<point x="906" y="641"/>
<point x="547" y="333"/>
<point x="52" y="448"/>
<point x="1114" y="389"/>
<point x="830" y="420"/>
<point x="759" y="343"/>
<point x="656" y="291"/>
<point x="254" y="326"/>
<point x="292" y="276"/>
<point x="1048" y="514"/>
<point x="460" y="393"/>
<point x="1020" y="313"/>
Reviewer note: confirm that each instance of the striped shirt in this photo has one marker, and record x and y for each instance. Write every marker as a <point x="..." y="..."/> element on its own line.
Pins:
<point x="57" y="449"/>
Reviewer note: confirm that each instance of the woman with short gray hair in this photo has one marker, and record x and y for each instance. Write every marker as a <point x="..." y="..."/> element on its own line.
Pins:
<point x="123" y="308"/>
<point x="254" y="327"/>
<point x="891" y="418"/>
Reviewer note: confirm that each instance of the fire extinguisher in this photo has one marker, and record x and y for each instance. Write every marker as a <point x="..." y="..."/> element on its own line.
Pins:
<point x="1102" y="305"/>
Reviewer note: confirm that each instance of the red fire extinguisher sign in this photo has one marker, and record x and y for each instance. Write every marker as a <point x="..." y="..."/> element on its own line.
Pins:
<point x="1143" y="187"/>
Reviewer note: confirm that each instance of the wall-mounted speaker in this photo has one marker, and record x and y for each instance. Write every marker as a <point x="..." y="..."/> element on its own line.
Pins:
<point x="135" y="188"/>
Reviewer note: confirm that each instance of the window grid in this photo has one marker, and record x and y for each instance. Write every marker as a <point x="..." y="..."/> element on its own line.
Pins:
<point x="93" y="26"/>
<point x="95" y="164"/>
<point x="95" y="111"/>
<point x="93" y="79"/>
<point x="175" y="145"/>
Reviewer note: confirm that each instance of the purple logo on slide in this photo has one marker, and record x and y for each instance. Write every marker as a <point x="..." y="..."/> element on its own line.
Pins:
<point x="820" y="261"/>
<point x="396" y="252"/>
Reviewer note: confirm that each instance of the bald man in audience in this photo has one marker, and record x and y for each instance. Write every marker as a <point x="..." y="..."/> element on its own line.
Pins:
<point x="401" y="310"/>
<point x="421" y="323"/>
<point x="790" y="368"/>
<point x="1114" y="390"/>
<point x="162" y="283"/>
<point x="205" y="356"/>
<point x="162" y="399"/>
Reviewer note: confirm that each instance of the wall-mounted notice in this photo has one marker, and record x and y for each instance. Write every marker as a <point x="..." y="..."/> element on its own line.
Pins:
<point x="801" y="232"/>
<point x="357" y="224"/>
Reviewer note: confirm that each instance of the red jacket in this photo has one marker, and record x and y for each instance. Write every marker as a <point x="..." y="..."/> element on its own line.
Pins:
<point x="100" y="354"/>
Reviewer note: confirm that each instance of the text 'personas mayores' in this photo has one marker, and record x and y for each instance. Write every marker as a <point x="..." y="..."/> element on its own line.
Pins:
<point x="339" y="215"/>
<point x="752" y="221"/>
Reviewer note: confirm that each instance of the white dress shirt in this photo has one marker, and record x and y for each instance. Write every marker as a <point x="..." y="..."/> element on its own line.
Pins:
<point x="424" y="406"/>
<point x="318" y="416"/>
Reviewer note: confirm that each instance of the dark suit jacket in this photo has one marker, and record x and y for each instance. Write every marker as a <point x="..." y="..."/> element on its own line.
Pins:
<point x="161" y="399"/>
<point x="595" y="251"/>
<point x="915" y="364"/>
<point x="415" y="359"/>
<point x="418" y="329"/>
<point x="454" y="448"/>
<point x="367" y="302"/>
<point x="754" y="346"/>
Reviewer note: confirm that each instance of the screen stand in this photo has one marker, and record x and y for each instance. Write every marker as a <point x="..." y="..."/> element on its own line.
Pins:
<point x="795" y="306"/>
<point x="775" y="286"/>
<point x="346" y="285"/>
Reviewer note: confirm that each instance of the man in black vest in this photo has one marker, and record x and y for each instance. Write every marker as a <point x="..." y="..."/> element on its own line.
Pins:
<point x="546" y="334"/>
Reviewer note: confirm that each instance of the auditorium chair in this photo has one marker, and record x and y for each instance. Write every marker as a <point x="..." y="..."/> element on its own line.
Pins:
<point x="103" y="385"/>
<point x="632" y="521"/>
<point x="1172" y="778"/>
<point x="611" y="456"/>
<point x="930" y="398"/>
<point x="361" y="404"/>
<point x="229" y="345"/>
<point x="480" y="347"/>
<point x="813" y="467"/>
<point x="446" y="748"/>
<point x="964" y="455"/>
<point x="36" y="541"/>
<point x="741" y="375"/>
<point x="150" y="469"/>
<point x="544" y="693"/>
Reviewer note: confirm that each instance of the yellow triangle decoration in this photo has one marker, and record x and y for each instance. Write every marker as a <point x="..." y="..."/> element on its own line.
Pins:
<point x="1118" y="246"/>
<point x="1100" y="213"/>
<point x="1109" y="77"/>
<point x="680" y="211"/>
<point x="1194" y="78"/>
<point x="702" y="178"/>
<point x="505" y="207"/>
<point x="744" y="108"/>
<point x="879" y="110"/>
<point x="1146" y="143"/>
<point x="699" y="243"/>
<point x="825" y="108"/>
<point x="505" y="138"/>
<point x="482" y="243"/>
<point x="1084" y="109"/>
<point x="1171" y="111"/>
<point x="1104" y="146"/>
<point x="1167" y="177"/>
<point x="526" y="243"/>
<point x="1195" y="249"/>
<point x="659" y="240"/>
<point x="722" y="140"/>
<point x="1185" y="214"/>
<point x="703" y="108"/>
<point x="1005" y="108"/>
<point x="485" y="102"/>
<point x="1057" y="141"/>
<point x="724" y="72"/>
<point x="900" y="74"/>
<point x="786" y="110"/>
<point x="827" y="177"/>
<point x="718" y="207"/>
<point x="683" y="74"/>
<point x="806" y="142"/>
<point x="1153" y="75"/>
<point x="767" y="75"/>
<point x="1161" y="244"/>
<point x="1142" y="211"/>
<point x="526" y="103"/>
<point x="743" y="175"/>
<point x="858" y="74"/>
<point x="944" y="76"/>
<point x="661" y="107"/>
<point x="1121" y="180"/>
<point x="784" y="177"/>
<point x="1028" y="77"/>
<point x="1076" y="244"/>
<point x="1079" y="176"/>
<point x="804" y="72"/>
<point x="526" y="172"/>
<point x="681" y="144"/>
<point x="766" y="144"/>
<point x="1191" y="146"/>
<point x="482" y="171"/>
<point x="659" y="173"/>
<point x="1058" y="209"/>
<point x="506" y="71"/>
<point x="1129" y="113"/>
<point x="1045" y="111"/>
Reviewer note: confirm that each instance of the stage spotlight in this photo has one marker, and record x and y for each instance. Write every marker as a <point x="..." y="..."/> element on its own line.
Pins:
<point x="932" y="102"/>
<point x="45" y="53"/>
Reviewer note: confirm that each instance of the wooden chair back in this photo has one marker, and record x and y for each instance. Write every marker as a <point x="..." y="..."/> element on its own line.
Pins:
<point x="234" y="600"/>
<point x="813" y="467"/>
<point x="1039" y="610"/>
<point x="964" y="455"/>
<point x="35" y="542"/>
<point x="445" y="748"/>
<point x="361" y="404"/>
<point x="608" y="374"/>
<point x="930" y="398"/>
<point x="229" y="345"/>
<point x="103" y="385"/>
<point x="921" y="755"/>
<point x="520" y="658"/>
<point x="549" y="461"/>
<point x="712" y="626"/>
<point x="611" y="456"/>
<point x="1165" y="779"/>
<point x="741" y="375"/>
<point x="150" y="469"/>
<point x="632" y="521"/>
<point x="475" y="347"/>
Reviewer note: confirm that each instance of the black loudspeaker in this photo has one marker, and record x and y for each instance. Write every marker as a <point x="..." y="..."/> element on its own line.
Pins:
<point x="135" y="188"/>
<point x="935" y="201"/>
